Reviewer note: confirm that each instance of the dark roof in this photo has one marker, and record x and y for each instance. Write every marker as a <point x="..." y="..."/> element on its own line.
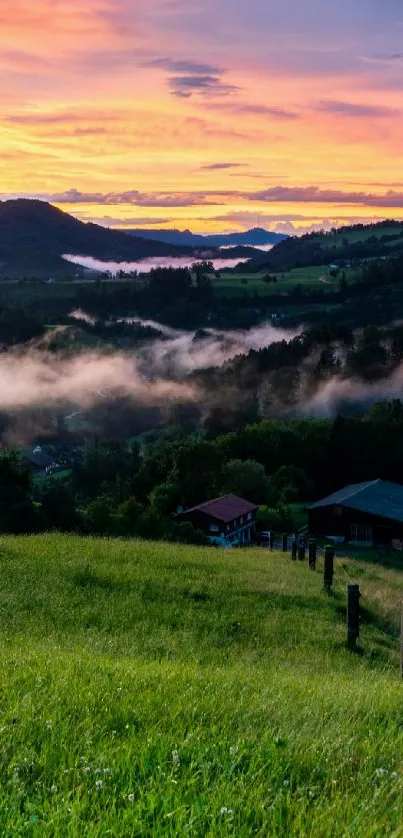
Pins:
<point x="377" y="497"/>
<point x="225" y="508"/>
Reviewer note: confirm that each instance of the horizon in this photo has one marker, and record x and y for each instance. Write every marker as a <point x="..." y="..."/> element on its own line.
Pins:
<point x="326" y="228"/>
<point x="216" y="119"/>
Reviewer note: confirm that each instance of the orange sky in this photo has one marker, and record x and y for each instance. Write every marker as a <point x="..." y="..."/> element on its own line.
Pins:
<point x="203" y="114"/>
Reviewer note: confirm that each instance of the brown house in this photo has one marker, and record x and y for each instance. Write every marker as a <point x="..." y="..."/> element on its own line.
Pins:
<point x="227" y="521"/>
<point x="362" y="514"/>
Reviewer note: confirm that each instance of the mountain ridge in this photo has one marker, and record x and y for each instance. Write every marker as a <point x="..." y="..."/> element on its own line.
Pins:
<point x="34" y="235"/>
<point x="255" y="237"/>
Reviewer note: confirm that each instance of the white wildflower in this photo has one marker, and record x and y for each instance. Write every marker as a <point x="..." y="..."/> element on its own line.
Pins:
<point x="286" y="783"/>
<point x="87" y="769"/>
<point x="97" y="770"/>
<point x="98" y="784"/>
<point x="233" y="750"/>
<point x="49" y="724"/>
<point x="381" y="772"/>
<point x="130" y="798"/>
<point x="107" y="771"/>
<point x="225" y="811"/>
<point x="394" y="775"/>
<point x="175" y="758"/>
<point x="53" y="789"/>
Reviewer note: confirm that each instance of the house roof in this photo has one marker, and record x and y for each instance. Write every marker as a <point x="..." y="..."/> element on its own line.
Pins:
<point x="225" y="508"/>
<point x="377" y="497"/>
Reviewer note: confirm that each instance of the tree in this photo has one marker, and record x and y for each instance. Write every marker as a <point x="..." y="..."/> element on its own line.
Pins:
<point x="196" y="470"/>
<point x="129" y="513"/>
<point x="102" y="464"/>
<point x="98" y="516"/>
<point x="186" y="533"/>
<point x="58" y="506"/>
<point x="17" y="511"/>
<point x="246" y="478"/>
<point x="165" y="498"/>
<point x="292" y="483"/>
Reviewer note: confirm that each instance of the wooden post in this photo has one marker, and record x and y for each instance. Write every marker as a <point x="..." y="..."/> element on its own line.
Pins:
<point x="353" y="614"/>
<point x="329" y="568"/>
<point x="271" y="540"/>
<point x="301" y="551"/>
<point x="312" y="553"/>
<point x="285" y="542"/>
<point x="294" y="549"/>
<point x="401" y="642"/>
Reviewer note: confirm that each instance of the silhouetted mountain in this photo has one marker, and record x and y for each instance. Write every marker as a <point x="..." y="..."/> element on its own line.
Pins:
<point x="257" y="237"/>
<point x="34" y="235"/>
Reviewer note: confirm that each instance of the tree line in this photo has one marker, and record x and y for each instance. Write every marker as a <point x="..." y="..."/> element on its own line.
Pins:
<point x="133" y="489"/>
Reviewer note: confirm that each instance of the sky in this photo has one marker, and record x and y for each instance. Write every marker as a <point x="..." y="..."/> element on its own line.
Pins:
<point x="212" y="115"/>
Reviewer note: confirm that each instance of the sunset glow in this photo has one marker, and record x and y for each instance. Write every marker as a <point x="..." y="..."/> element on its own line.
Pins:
<point x="213" y="116"/>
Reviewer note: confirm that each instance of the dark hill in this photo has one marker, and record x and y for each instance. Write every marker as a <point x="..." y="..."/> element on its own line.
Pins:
<point x="34" y="235"/>
<point x="257" y="237"/>
<point x="345" y="244"/>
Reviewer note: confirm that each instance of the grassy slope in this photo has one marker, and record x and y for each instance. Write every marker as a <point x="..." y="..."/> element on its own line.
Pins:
<point x="231" y="285"/>
<point x="207" y="693"/>
<point x="361" y="235"/>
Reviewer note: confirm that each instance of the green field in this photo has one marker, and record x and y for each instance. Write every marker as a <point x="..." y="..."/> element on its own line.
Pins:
<point x="158" y="690"/>
<point x="362" y="235"/>
<point x="232" y="285"/>
<point x="25" y="293"/>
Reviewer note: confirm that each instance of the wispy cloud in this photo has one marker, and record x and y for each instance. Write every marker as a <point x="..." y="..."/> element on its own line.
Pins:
<point x="312" y="194"/>
<point x="211" y="167"/>
<point x="356" y="109"/>
<point x="255" y="109"/>
<point x="187" y="78"/>
<point x="273" y="195"/>
<point x="133" y="198"/>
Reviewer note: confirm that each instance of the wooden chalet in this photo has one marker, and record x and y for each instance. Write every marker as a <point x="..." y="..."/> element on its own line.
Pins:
<point x="227" y="521"/>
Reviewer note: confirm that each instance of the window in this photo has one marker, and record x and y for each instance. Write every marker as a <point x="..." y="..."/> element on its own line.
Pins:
<point x="361" y="533"/>
<point x="249" y="516"/>
<point x="241" y="520"/>
<point x="214" y="528"/>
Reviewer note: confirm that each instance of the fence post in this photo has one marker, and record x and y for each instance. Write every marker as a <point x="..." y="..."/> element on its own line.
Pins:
<point x="401" y="642"/>
<point x="301" y="551"/>
<point x="271" y="540"/>
<point x="285" y="542"/>
<point x="294" y="549"/>
<point x="312" y="553"/>
<point x="329" y="568"/>
<point x="353" y="614"/>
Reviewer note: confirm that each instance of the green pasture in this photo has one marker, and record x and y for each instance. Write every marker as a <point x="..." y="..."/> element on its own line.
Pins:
<point x="159" y="690"/>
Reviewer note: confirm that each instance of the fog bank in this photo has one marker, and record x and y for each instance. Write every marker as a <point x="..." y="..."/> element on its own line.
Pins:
<point x="144" y="266"/>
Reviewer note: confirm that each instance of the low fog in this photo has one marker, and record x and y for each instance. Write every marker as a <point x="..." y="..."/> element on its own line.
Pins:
<point x="339" y="395"/>
<point x="32" y="378"/>
<point x="35" y="379"/>
<point x="146" y="265"/>
<point x="157" y="373"/>
<point x="185" y="352"/>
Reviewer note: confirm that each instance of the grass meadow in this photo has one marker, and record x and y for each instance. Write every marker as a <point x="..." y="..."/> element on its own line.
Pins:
<point x="238" y="284"/>
<point x="160" y="690"/>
